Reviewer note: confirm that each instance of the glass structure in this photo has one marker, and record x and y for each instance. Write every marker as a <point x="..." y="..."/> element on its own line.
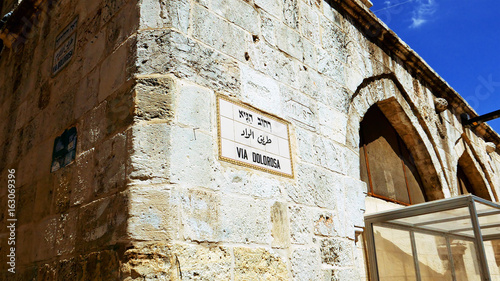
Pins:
<point x="449" y="239"/>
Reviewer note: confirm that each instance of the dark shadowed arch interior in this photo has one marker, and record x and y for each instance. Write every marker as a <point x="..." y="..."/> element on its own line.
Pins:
<point x="387" y="165"/>
<point x="469" y="178"/>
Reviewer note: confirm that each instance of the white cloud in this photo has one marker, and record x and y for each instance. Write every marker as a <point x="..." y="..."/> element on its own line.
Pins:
<point x="424" y="10"/>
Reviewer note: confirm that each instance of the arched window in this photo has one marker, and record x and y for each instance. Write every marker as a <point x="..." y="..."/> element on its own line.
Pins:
<point x="386" y="163"/>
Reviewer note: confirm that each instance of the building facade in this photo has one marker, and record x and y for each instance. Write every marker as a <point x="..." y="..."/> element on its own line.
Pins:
<point x="112" y="125"/>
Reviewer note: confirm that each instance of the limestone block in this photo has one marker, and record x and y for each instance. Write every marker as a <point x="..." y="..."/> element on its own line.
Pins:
<point x="62" y="190"/>
<point x="164" y="14"/>
<point x="260" y="91"/>
<point x="305" y="264"/>
<point x="353" y="163"/>
<point x="274" y="7"/>
<point x="102" y="222"/>
<point x="93" y="127"/>
<point x="25" y="202"/>
<point x="110" y="158"/>
<point x="309" y="23"/>
<point x="258" y="264"/>
<point x="332" y="123"/>
<point x="168" y="262"/>
<point x="267" y="27"/>
<point x="290" y="42"/>
<point x="245" y="220"/>
<point x="299" y="107"/>
<point x="43" y="199"/>
<point x="311" y="82"/>
<point x="84" y="9"/>
<point x="337" y="252"/>
<point x="86" y="94"/>
<point x="154" y="98"/>
<point x="301" y="224"/>
<point x="110" y="8"/>
<point x="193" y="106"/>
<point x="276" y="64"/>
<point x="150" y="11"/>
<point x="318" y="186"/>
<point x="332" y="15"/>
<point x="66" y="231"/>
<point x="83" y="178"/>
<point x="119" y="110"/>
<point x="291" y="13"/>
<point x="204" y="263"/>
<point x="149" y="150"/>
<point x="200" y="215"/>
<point x="256" y="184"/>
<point x="46" y="230"/>
<point x="329" y="155"/>
<point x="355" y="201"/>
<point x="280" y="225"/>
<point x="239" y="13"/>
<point x="327" y="224"/>
<point x="342" y="274"/>
<point x="223" y="36"/>
<point x="117" y="69"/>
<point x="93" y="51"/>
<point x="334" y="40"/>
<point x="192" y="157"/>
<point x="123" y="25"/>
<point x="153" y="216"/>
<point x="186" y="59"/>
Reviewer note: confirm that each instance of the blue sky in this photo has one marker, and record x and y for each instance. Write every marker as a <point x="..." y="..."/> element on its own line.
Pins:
<point x="459" y="39"/>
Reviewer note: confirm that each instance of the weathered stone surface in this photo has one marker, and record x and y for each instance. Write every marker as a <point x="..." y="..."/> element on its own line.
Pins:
<point x="187" y="59"/>
<point x="337" y="252"/>
<point x="170" y="262"/>
<point x="301" y="225"/>
<point x="193" y="106"/>
<point x="153" y="214"/>
<point x="201" y="216"/>
<point x="149" y="152"/>
<point x="245" y="220"/>
<point x="281" y="225"/>
<point x="239" y="13"/>
<point x="219" y="34"/>
<point x="153" y="97"/>
<point x="258" y="264"/>
<point x="304" y="264"/>
<point x="192" y="150"/>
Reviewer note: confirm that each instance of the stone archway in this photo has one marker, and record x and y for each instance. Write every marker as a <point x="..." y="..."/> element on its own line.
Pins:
<point x="394" y="102"/>
<point x="475" y="174"/>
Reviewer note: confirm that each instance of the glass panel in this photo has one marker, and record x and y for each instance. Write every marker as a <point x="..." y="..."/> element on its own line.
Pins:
<point x="433" y="258"/>
<point x="492" y="249"/>
<point x="469" y="233"/>
<point x="481" y="208"/>
<point x="433" y="217"/>
<point x="394" y="254"/>
<point x="465" y="260"/>
<point x="490" y="231"/>
<point x="452" y="225"/>
<point x="488" y="220"/>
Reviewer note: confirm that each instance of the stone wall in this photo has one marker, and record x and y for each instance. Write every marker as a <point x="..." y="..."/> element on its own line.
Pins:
<point x="147" y="197"/>
<point x="70" y="223"/>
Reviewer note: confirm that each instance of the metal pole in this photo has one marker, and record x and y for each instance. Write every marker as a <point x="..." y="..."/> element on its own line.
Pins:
<point x="479" y="241"/>
<point x="372" y="255"/>
<point x="450" y="255"/>
<point x="481" y="119"/>
<point x="415" y="255"/>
